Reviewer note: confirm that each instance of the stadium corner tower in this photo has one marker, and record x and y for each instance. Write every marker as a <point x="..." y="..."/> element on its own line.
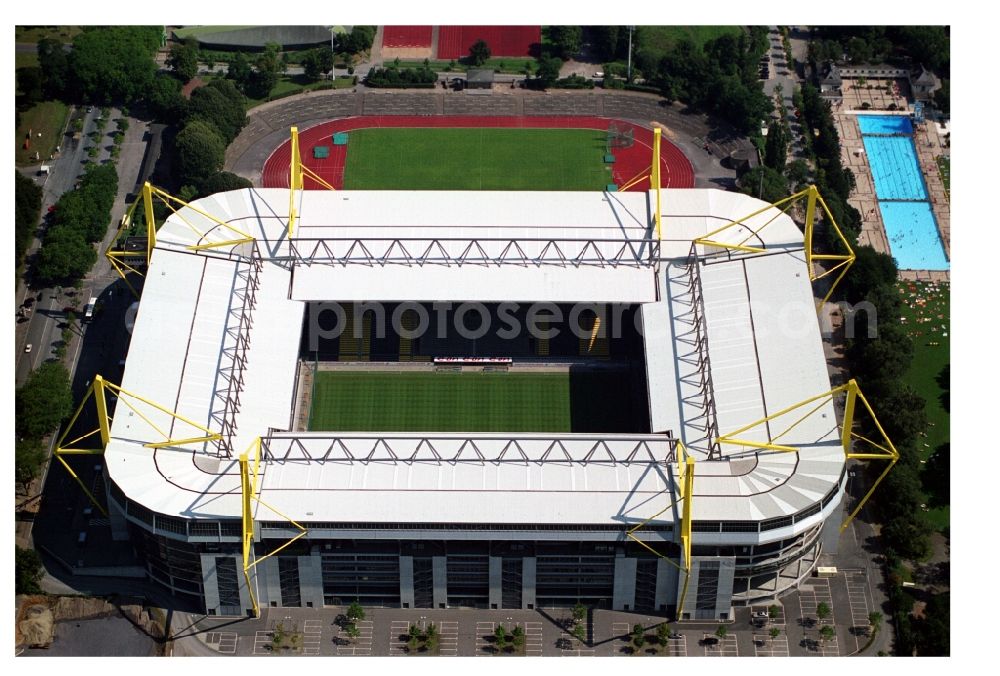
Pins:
<point x="235" y="496"/>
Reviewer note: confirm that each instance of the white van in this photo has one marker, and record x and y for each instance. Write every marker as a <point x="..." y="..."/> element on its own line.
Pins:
<point x="44" y="170"/>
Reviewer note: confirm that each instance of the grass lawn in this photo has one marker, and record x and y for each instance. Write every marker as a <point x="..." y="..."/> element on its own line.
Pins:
<point x="660" y="39"/>
<point x="195" y="31"/>
<point x="505" y="65"/>
<point x="470" y="402"/>
<point x="928" y="361"/>
<point x="32" y="34"/>
<point x="25" y="59"/>
<point x="46" y="118"/>
<point x="476" y="159"/>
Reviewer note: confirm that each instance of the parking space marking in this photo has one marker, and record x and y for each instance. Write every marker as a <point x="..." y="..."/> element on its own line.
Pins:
<point x="449" y="638"/>
<point x="829" y="648"/>
<point x="362" y="645"/>
<point x="678" y="646"/>
<point x="726" y="647"/>
<point x="622" y="634"/>
<point x="483" y="631"/>
<point x="312" y="636"/>
<point x="227" y="642"/>
<point x="262" y="643"/>
<point x="778" y="621"/>
<point x="532" y="638"/>
<point x="765" y="646"/>
<point x="398" y="630"/>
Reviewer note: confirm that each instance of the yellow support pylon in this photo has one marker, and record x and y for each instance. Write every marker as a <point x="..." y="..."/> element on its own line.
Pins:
<point x="884" y="451"/>
<point x="250" y="492"/>
<point x="812" y="196"/>
<point x="655" y="179"/>
<point x="685" y="490"/>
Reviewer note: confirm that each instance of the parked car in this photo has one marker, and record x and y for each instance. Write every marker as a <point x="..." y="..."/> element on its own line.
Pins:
<point x="27" y="348"/>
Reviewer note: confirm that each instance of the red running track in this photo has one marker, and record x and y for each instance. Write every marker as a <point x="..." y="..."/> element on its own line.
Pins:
<point x="406" y="36"/>
<point x="675" y="169"/>
<point x="454" y="42"/>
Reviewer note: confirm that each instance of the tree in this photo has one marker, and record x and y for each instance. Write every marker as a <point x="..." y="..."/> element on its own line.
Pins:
<point x="224" y="181"/>
<point x="579" y="612"/>
<point x="43" y="401"/>
<point x="64" y="258"/>
<point x="827" y="632"/>
<point x="27" y="205"/>
<point x="239" y="71"/>
<point x="908" y="533"/>
<point x="29" y="458"/>
<point x="500" y="639"/>
<point x="113" y="64"/>
<point x="580" y="633"/>
<point x="871" y="269"/>
<point x="566" y="39"/>
<point x="934" y="630"/>
<point x="823" y="610"/>
<point x="721" y="632"/>
<point x="359" y="40"/>
<point x="200" y="152"/>
<point x="479" y="53"/>
<point x="942" y="98"/>
<point x="317" y="62"/>
<point x="165" y="99"/>
<point x="548" y="70"/>
<point x="517" y="637"/>
<point x="183" y="59"/>
<point x="29" y="83"/>
<point x="221" y="104"/>
<point x="663" y="634"/>
<point x="55" y="67"/>
<point x="355" y="612"/>
<point x="638" y="636"/>
<point x="353" y="631"/>
<point x="774" y="632"/>
<point x="28" y="571"/>
<point x="764" y="183"/>
<point x="413" y="637"/>
<point x="773" y="611"/>
<point x="776" y="146"/>
<point x="875" y="620"/>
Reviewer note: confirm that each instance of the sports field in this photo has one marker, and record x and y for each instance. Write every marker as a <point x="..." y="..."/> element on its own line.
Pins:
<point x="471" y="402"/>
<point x="476" y="159"/>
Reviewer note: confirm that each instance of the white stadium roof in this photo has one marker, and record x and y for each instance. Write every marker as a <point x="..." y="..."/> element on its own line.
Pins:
<point x="763" y="343"/>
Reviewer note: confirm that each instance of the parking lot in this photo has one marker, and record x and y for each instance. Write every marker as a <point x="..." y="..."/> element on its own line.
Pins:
<point x="794" y="621"/>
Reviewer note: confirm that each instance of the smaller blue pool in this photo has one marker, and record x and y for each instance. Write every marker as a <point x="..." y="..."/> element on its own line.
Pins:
<point x="913" y="235"/>
<point x="894" y="165"/>
<point x="885" y="124"/>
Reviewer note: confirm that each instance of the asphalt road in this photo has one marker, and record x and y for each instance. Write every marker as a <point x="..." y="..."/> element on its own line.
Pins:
<point x="43" y="329"/>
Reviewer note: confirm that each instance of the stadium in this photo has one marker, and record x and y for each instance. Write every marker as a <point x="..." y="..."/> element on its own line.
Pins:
<point x="476" y="398"/>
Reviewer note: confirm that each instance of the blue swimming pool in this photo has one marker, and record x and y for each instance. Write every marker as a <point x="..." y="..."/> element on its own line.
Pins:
<point x="895" y="169"/>
<point x="901" y="192"/>
<point x="913" y="235"/>
<point x="885" y="124"/>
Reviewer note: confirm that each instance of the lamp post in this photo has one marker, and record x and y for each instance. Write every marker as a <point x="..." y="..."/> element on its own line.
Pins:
<point x="333" y="68"/>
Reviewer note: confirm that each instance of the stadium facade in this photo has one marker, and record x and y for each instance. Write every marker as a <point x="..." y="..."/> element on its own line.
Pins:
<point x="494" y="520"/>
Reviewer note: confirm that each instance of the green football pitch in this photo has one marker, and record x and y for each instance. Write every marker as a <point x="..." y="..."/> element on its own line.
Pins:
<point x="476" y="159"/>
<point x="358" y="401"/>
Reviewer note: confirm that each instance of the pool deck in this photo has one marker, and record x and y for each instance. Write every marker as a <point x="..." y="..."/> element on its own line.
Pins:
<point x="928" y="145"/>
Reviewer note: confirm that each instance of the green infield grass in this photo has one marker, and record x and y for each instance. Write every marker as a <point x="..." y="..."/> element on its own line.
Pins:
<point x="476" y="159"/>
<point x="362" y="401"/>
